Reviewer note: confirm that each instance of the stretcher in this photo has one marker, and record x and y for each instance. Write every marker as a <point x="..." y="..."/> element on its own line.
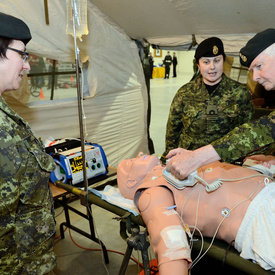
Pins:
<point x="221" y="258"/>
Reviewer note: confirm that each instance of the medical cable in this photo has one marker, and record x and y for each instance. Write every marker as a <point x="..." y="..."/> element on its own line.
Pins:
<point x="98" y="249"/>
<point x="196" y="222"/>
<point x="216" y="232"/>
<point x="202" y="242"/>
<point x="186" y="226"/>
<point x="102" y="255"/>
<point x="217" y="183"/>
<point x="96" y="233"/>
<point x="195" y="226"/>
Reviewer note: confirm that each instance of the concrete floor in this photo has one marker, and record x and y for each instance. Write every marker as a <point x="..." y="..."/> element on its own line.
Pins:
<point x="77" y="255"/>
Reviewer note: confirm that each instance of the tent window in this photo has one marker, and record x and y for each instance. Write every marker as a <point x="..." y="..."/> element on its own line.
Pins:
<point x="51" y="79"/>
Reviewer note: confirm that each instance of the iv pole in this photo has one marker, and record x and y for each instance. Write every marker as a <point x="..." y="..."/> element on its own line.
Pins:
<point x="84" y="197"/>
<point x="79" y="99"/>
<point x="135" y="243"/>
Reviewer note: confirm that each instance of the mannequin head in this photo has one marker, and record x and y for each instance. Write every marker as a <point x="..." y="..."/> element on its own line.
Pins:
<point x="131" y="172"/>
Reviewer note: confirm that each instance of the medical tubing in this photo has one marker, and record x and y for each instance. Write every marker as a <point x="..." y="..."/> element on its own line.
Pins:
<point x="202" y="243"/>
<point x="194" y="226"/>
<point x="216" y="232"/>
<point x="216" y="184"/>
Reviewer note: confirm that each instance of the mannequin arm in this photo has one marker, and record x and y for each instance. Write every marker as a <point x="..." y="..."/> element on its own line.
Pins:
<point x="168" y="239"/>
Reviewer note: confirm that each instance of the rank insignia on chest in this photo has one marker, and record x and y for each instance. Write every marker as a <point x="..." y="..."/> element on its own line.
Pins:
<point x="212" y="112"/>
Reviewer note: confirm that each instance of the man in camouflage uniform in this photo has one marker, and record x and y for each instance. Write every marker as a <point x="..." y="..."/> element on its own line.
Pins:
<point x="27" y="225"/>
<point x="207" y="107"/>
<point x="259" y="56"/>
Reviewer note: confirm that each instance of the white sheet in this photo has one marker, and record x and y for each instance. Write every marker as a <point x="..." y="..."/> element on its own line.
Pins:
<point x="112" y="195"/>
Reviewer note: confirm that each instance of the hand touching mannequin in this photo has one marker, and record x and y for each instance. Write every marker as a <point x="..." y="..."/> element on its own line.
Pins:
<point x="230" y="213"/>
<point x="168" y="238"/>
<point x="258" y="55"/>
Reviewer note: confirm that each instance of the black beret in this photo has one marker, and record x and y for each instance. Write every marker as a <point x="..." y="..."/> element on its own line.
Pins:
<point x="209" y="47"/>
<point x="256" y="45"/>
<point x="14" y="28"/>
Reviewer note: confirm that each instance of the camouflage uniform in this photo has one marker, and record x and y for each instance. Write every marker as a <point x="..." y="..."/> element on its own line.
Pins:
<point x="246" y="138"/>
<point x="197" y="118"/>
<point x="27" y="225"/>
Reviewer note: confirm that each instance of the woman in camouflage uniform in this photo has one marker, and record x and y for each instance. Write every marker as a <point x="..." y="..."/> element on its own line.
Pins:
<point x="259" y="56"/>
<point x="27" y="225"/>
<point x="210" y="105"/>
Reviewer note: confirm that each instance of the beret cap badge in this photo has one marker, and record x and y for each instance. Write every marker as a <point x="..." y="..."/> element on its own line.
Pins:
<point x="215" y="50"/>
<point x="243" y="57"/>
<point x="256" y="45"/>
<point x="210" y="47"/>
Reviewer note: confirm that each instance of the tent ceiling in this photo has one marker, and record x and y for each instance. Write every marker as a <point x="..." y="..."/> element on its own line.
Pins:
<point x="172" y="22"/>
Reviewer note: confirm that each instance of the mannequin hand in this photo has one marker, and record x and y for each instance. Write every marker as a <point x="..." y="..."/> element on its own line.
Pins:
<point x="263" y="159"/>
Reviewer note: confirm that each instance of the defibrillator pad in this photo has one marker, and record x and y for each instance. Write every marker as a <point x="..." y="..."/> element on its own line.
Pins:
<point x="180" y="184"/>
<point x="255" y="165"/>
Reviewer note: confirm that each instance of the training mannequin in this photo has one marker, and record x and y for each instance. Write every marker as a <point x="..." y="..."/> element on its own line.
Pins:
<point x="166" y="211"/>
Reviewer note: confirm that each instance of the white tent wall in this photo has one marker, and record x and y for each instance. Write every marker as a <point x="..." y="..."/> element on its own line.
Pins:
<point x="116" y="111"/>
<point x="172" y="22"/>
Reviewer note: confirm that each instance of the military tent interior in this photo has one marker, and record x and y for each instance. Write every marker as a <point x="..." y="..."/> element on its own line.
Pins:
<point x="115" y="91"/>
<point x="113" y="82"/>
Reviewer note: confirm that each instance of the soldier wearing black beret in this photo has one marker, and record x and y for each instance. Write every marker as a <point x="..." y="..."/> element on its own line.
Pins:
<point x="242" y="141"/>
<point x="210" y="105"/>
<point x="259" y="56"/>
<point x="14" y="28"/>
<point x="210" y="47"/>
<point x="256" y="45"/>
<point x="27" y="225"/>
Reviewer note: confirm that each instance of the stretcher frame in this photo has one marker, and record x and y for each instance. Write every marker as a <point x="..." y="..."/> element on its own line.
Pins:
<point x="225" y="257"/>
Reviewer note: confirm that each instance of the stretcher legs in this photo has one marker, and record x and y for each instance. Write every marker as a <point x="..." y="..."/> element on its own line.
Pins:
<point x="88" y="217"/>
<point x="137" y="241"/>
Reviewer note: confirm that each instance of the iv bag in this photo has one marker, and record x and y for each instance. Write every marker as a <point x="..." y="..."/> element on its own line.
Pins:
<point x="78" y="10"/>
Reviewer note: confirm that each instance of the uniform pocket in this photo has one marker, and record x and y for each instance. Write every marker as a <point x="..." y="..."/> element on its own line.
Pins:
<point x="34" y="228"/>
<point x="194" y="118"/>
<point x="232" y="111"/>
<point x="44" y="160"/>
<point x="36" y="180"/>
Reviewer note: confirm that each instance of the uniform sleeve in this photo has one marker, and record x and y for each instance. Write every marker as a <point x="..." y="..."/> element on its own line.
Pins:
<point x="174" y="125"/>
<point x="246" y="106"/>
<point x="246" y="138"/>
<point x="9" y="189"/>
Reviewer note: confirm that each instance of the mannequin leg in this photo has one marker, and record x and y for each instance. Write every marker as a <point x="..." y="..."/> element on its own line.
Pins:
<point x="168" y="238"/>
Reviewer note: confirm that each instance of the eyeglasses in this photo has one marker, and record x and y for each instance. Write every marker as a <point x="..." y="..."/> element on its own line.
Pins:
<point x="24" y="55"/>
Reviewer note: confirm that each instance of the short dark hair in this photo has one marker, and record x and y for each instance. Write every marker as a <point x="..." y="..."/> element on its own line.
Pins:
<point x="4" y="43"/>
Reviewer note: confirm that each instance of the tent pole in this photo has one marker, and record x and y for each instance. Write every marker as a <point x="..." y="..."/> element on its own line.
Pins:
<point x="46" y="12"/>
